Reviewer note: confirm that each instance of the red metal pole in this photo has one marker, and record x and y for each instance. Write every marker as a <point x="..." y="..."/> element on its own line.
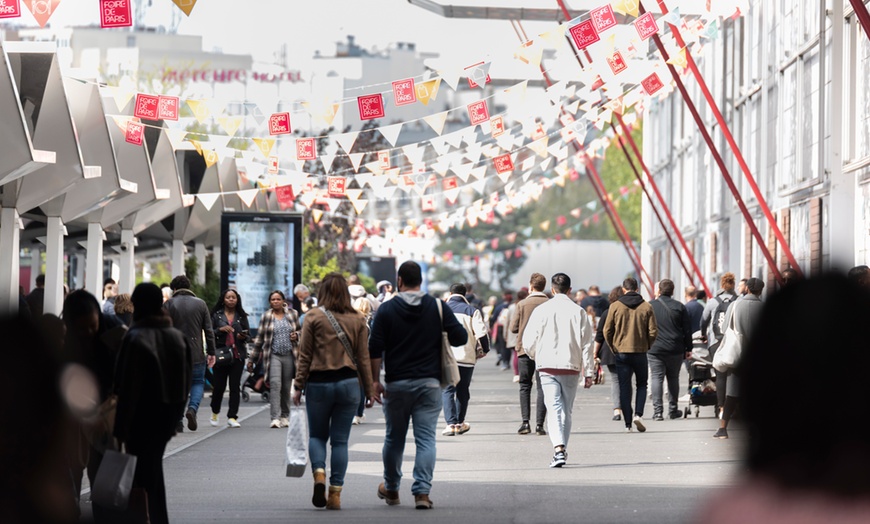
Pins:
<point x="862" y="14"/>
<point x="759" y="197"/>
<point x="639" y="178"/>
<point x="664" y="205"/>
<point x="718" y="158"/>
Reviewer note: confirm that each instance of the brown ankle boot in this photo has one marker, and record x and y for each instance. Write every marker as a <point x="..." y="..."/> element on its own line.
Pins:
<point x="319" y="497"/>
<point x="334" y="500"/>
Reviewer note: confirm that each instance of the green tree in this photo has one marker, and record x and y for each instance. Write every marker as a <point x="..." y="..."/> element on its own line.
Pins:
<point x="211" y="290"/>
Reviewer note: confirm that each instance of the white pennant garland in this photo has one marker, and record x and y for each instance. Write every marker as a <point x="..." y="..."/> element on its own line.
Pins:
<point x="391" y="133"/>
<point x="436" y="121"/>
<point x="347" y="140"/>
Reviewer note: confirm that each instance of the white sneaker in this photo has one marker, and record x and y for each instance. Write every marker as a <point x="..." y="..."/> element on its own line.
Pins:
<point x="638" y="422"/>
<point x="215" y="419"/>
<point x="358" y="420"/>
<point x="449" y="431"/>
<point x="275" y="423"/>
<point x="628" y="429"/>
<point x="233" y="423"/>
<point x="285" y="422"/>
<point x="516" y="378"/>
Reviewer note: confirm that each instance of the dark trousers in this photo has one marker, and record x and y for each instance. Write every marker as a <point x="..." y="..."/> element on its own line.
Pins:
<point x="149" y="476"/>
<point x="233" y="373"/>
<point x="665" y="367"/>
<point x="628" y="364"/>
<point x="455" y="398"/>
<point x="527" y="372"/>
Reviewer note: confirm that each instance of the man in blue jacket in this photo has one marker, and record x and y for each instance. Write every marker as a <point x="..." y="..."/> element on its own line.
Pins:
<point x="407" y="335"/>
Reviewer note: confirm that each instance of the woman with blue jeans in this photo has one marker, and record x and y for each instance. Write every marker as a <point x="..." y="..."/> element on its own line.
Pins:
<point x="333" y="362"/>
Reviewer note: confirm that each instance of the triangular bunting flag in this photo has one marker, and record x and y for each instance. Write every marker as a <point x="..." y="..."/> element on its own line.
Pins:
<point x="185" y="5"/>
<point x="327" y="159"/>
<point x="386" y="192"/>
<point x="122" y="96"/>
<point x="208" y="199"/>
<point x="200" y="109"/>
<point x="414" y="153"/>
<point x="479" y="172"/>
<point x="265" y="146"/>
<point x="451" y="77"/>
<point x="436" y="121"/>
<point x="359" y="205"/>
<point x="454" y="138"/>
<point x="479" y="186"/>
<point x="346" y="140"/>
<point x="353" y="194"/>
<point x="316" y="214"/>
<point x="452" y="195"/>
<point x="463" y="171"/>
<point x="230" y="124"/>
<point x="42" y="11"/>
<point x="540" y="146"/>
<point x="248" y="196"/>
<point x="355" y="159"/>
<point x="428" y="90"/>
<point x="378" y="182"/>
<point x="440" y="145"/>
<point x="211" y="157"/>
<point x="176" y="137"/>
<point x="391" y="133"/>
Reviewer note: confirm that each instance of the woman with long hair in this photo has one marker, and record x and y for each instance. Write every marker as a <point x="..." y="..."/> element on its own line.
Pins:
<point x="231" y="330"/>
<point x="333" y="362"/>
<point x="277" y="339"/>
<point x="605" y="356"/>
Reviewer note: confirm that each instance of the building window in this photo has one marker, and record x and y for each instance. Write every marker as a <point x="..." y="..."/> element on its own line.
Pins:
<point x="787" y="128"/>
<point x="809" y="116"/>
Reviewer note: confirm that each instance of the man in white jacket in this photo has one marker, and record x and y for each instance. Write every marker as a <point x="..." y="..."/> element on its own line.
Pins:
<point x="559" y="339"/>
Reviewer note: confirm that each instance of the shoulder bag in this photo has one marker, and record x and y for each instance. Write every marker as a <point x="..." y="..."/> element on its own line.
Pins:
<point x="728" y="353"/>
<point x="449" y="366"/>
<point x="342" y="336"/>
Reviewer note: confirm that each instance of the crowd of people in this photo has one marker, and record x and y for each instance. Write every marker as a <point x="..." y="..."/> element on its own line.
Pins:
<point x="140" y="362"/>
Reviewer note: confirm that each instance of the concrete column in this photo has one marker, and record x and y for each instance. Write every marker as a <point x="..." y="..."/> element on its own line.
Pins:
<point x="177" y="266"/>
<point x="216" y="256"/>
<point x="79" y="278"/>
<point x="94" y="265"/>
<point x="53" y="266"/>
<point x="9" y="263"/>
<point x="199" y="254"/>
<point x="127" y="277"/>
<point x="35" y="266"/>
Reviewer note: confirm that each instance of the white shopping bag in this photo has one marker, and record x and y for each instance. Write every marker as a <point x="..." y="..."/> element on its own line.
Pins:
<point x="297" y="443"/>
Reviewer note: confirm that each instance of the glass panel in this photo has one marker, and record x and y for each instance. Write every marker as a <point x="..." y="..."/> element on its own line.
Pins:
<point x="809" y="117"/>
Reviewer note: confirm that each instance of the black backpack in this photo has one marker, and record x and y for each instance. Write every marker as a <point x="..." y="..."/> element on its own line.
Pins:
<point x="718" y="319"/>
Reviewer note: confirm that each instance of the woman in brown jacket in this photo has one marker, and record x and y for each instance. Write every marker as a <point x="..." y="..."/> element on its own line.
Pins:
<point x="333" y="361"/>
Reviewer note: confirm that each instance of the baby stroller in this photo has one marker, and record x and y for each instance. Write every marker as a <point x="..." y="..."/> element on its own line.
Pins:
<point x="702" y="379"/>
<point x="256" y="382"/>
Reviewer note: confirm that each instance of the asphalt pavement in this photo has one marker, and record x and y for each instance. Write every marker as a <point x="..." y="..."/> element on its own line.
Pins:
<point x="489" y="474"/>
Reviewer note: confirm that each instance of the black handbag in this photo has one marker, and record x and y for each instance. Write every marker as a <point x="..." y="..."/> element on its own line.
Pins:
<point x="223" y="356"/>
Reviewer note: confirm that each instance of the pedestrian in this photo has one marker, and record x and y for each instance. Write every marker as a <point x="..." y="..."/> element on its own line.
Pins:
<point x="153" y="380"/>
<point x="822" y="476"/>
<point x="362" y="305"/>
<point x="713" y="327"/>
<point x="673" y="345"/>
<point x="525" y="364"/>
<point x="167" y="292"/>
<point x="110" y="291"/>
<point x="300" y="293"/>
<point x="36" y="298"/>
<point x="455" y="398"/>
<point x="192" y="317"/>
<point x="276" y="343"/>
<point x="488" y="308"/>
<point x="630" y="331"/>
<point x="596" y="300"/>
<point x="744" y="313"/>
<point x="860" y="276"/>
<point x="232" y="331"/>
<point x="333" y="367"/>
<point x="559" y="338"/>
<point x="580" y="296"/>
<point x="124" y="309"/>
<point x="694" y="307"/>
<point x="497" y="322"/>
<point x="385" y="291"/>
<point x="407" y="335"/>
<point x="474" y="300"/>
<point x="512" y="338"/>
<point x="605" y="356"/>
<point x="307" y="305"/>
<point x="357" y="291"/>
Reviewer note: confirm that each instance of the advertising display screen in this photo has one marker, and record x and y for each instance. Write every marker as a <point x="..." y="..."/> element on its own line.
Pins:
<point x="260" y="253"/>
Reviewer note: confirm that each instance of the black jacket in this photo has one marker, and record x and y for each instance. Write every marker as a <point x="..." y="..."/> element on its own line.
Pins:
<point x="674" y="327"/>
<point x="408" y="338"/>
<point x="605" y="355"/>
<point x="190" y="315"/>
<point x="240" y="323"/>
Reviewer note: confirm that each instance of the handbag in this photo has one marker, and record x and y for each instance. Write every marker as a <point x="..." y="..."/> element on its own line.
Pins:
<point x="296" y="458"/>
<point x="449" y="366"/>
<point x="342" y="336"/>
<point x="731" y="346"/>
<point x="223" y="356"/>
<point x="114" y="480"/>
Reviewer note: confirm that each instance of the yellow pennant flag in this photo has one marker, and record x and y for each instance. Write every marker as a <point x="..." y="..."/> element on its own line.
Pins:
<point x="185" y="5"/>
<point x="211" y="157"/>
<point x="545" y="225"/>
<point x="197" y="146"/>
<point x="230" y="124"/>
<point x="679" y="59"/>
<point x="427" y="91"/>
<point x="316" y="214"/>
<point x="626" y="7"/>
<point x="540" y="147"/>
<point x="200" y="110"/>
<point x="265" y="145"/>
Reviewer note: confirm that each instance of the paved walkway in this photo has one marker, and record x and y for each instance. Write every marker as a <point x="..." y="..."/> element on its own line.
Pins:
<point x="490" y="474"/>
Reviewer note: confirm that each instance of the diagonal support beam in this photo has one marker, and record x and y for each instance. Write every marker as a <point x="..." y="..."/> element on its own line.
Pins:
<point x="726" y="131"/>
<point x="862" y="14"/>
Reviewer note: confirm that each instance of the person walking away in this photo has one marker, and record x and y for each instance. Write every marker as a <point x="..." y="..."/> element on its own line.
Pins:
<point x="333" y="365"/>
<point x="596" y="300"/>
<point x="510" y="337"/>
<point x="475" y="301"/>
<point x="124" y="309"/>
<point x="672" y="346"/>
<point x="455" y="398"/>
<point x="559" y="338"/>
<point x="232" y="330"/>
<point x="713" y="327"/>
<point x="488" y="308"/>
<point x="695" y="308"/>
<point x="605" y="356"/>
<point x="36" y="298"/>
<point x="191" y="316"/>
<point x="630" y="331"/>
<point x="496" y="326"/>
<point x="361" y="305"/>
<point x="526" y="366"/>
<point x="277" y="338"/>
<point x="407" y="336"/>
<point x="153" y="380"/>
<point x="744" y="313"/>
<point x="356" y="289"/>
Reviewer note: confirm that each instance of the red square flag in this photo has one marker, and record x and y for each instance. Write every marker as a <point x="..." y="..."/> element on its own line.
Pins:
<point x="497" y="126"/>
<point x="404" y="92"/>
<point x="336" y="186"/>
<point x="147" y="107"/>
<point x="478" y="112"/>
<point x="135" y="130"/>
<point x="273" y="165"/>
<point x="503" y="163"/>
<point x="10" y="9"/>
<point x="115" y="13"/>
<point x="652" y="83"/>
<point x="646" y="25"/>
<point x="427" y="203"/>
<point x="450" y="183"/>
<point x="603" y="18"/>
<point x="279" y="124"/>
<point x="584" y="34"/>
<point x="168" y="108"/>
<point x="284" y="195"/>
<point x="617" y="63"/>
<point x="306" y="149"/>
<point x="384" y="160"/>
<point x="371" y="107"/>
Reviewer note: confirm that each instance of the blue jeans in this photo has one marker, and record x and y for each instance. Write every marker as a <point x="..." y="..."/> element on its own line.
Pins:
<point x="405" y="400"/>
<point x="330" y="407"/>
<point x="559" y="394"/>
<point x="197" y="386"/>
<point x="456" y="397"/>
<point x="628" y="364"/>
